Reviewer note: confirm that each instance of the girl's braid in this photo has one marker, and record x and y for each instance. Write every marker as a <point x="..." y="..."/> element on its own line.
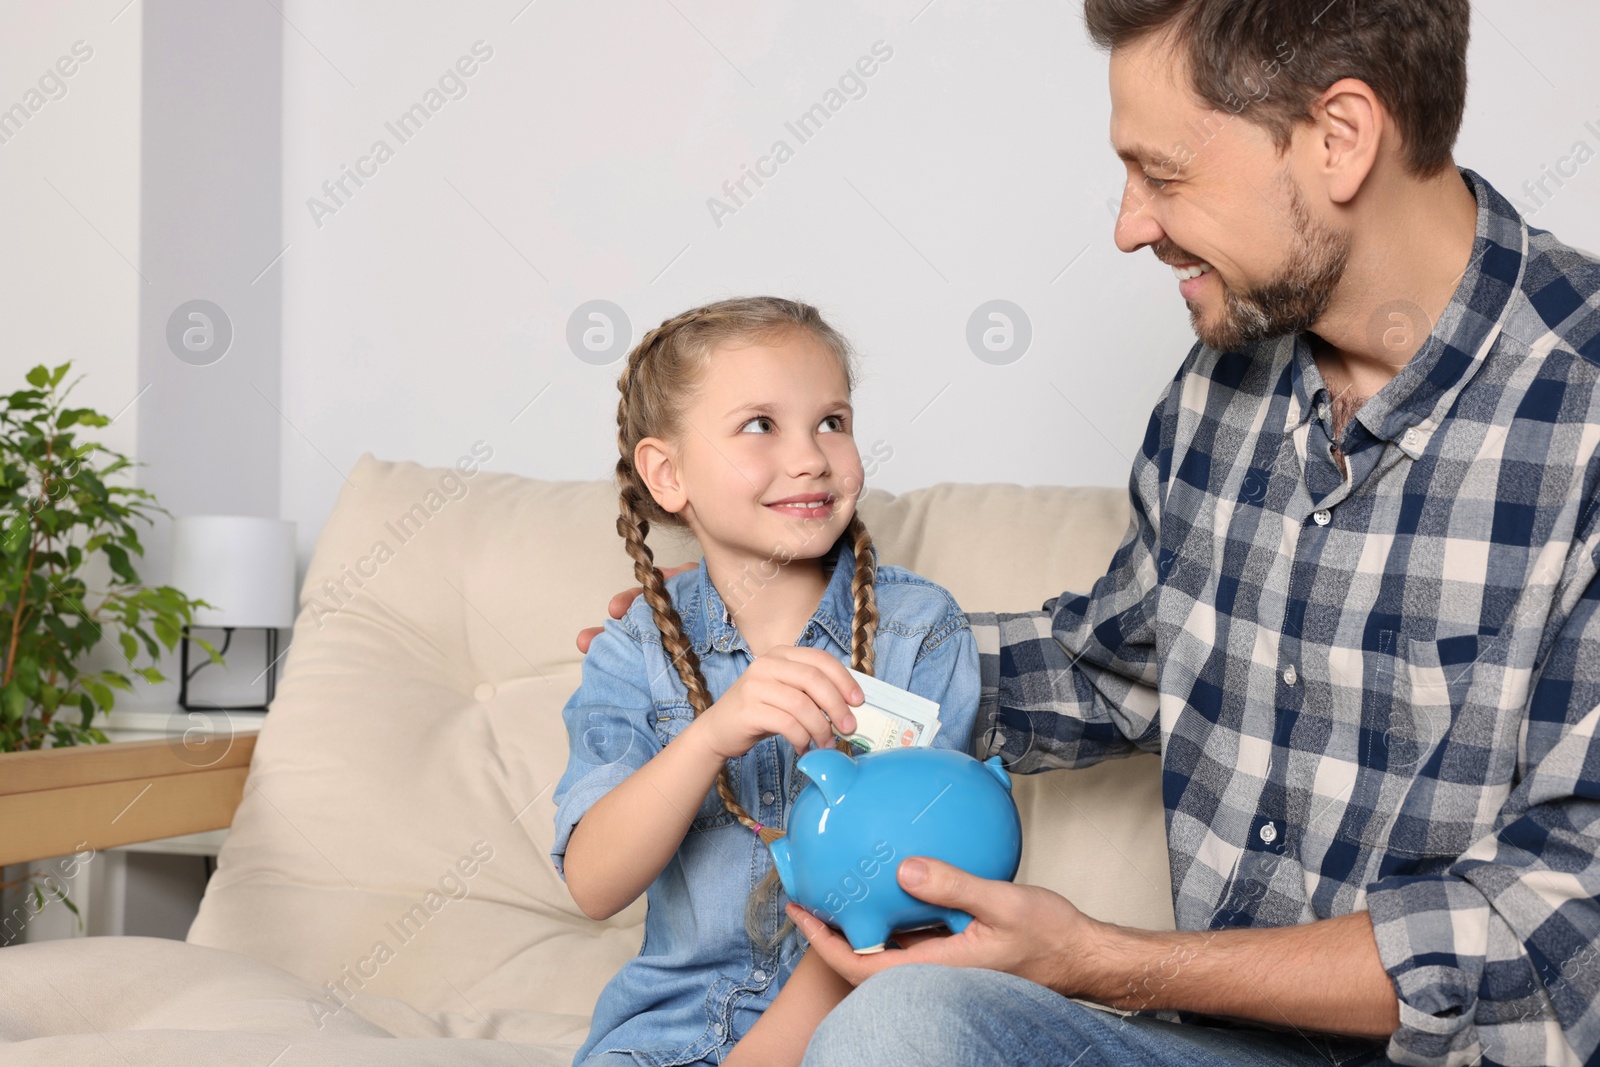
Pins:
<point x="633" y="527"/>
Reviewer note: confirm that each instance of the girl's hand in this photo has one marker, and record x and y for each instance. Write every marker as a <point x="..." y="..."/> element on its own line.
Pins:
<point x="791" y="691"/>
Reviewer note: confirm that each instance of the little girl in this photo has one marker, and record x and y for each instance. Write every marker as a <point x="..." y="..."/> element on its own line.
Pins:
<point x="735" y="422"/>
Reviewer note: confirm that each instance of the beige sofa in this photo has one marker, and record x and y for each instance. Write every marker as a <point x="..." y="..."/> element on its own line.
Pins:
<point x="385" y="894"/>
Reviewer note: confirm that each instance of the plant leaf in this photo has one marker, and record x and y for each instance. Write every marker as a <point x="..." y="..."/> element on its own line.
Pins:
<point x="13" y="702"/>
<point x="118" y="558"/>
<point x="27" y="675"/>
<point x="166" y="631"/>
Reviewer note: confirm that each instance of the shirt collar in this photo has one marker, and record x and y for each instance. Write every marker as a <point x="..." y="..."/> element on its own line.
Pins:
<point x="708" y="625"/>
<point x="1409" y="408"/>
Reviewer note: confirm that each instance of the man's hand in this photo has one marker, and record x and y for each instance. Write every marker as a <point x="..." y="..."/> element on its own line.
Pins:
<point x="1020" y="929"/>
<point x="619" y="606"/>
<point x="1324" y="975"/>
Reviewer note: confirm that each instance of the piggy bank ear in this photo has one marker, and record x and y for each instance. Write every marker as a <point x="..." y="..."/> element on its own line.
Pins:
<point x="830" y="770"/>
<point x="998" y="769"/>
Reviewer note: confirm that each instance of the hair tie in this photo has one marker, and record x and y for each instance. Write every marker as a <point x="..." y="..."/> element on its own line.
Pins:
<point x="759" y="828"/>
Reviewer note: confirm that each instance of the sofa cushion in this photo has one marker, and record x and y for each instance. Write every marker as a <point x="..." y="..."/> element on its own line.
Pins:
<point x="126" y="1000"/>
<point x="394" y="833"/>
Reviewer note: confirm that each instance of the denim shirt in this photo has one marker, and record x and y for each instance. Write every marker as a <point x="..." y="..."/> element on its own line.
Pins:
<point x="699" y="982"/>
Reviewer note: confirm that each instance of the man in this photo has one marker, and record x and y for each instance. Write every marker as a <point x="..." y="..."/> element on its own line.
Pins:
<point x="1356" y="610"/>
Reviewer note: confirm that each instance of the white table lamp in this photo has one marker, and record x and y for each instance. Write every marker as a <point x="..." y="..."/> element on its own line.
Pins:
<point x="244" y="567"/>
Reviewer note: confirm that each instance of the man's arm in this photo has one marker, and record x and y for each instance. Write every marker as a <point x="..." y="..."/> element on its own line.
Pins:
<point x="1498" y="955"/>
<point x="1075" y="683"/>
<point x="1323" y="976"/>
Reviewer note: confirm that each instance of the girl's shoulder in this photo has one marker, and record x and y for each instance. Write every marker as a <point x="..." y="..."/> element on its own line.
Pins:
<point x="911" y="600"/>
<point x="640" y="620"/>
<point x="900" y="582"/>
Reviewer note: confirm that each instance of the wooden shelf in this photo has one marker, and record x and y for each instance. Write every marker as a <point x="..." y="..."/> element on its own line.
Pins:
<point x="60" y="801"/>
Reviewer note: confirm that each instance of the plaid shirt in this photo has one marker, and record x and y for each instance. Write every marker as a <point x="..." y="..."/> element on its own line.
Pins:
<point x="1378" y="691"/>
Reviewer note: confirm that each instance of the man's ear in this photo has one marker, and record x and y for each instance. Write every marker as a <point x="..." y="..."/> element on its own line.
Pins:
<point x="1350" y="124"/>
<point x="657" y="465"/>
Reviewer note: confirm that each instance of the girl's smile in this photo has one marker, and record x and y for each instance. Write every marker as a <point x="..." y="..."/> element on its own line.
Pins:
<point x="805" y="506"/>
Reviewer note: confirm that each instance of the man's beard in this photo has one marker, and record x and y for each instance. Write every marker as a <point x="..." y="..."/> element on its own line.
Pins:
<point x="1292" y="302"/>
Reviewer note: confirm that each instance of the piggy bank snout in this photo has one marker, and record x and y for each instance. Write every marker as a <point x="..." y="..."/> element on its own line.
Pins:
<point x="783" y="861"/>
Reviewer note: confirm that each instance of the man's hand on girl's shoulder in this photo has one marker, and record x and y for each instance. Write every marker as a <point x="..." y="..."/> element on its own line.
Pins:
<point x="619" y="607"/>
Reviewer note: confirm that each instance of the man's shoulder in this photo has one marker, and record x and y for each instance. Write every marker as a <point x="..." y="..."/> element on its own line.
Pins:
<point x="1561" y="290"/>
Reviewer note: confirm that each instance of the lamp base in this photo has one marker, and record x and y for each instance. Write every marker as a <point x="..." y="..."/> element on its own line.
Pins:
<point x="184" y="673"/>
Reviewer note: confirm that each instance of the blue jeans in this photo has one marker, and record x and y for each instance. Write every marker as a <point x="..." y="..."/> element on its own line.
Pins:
<point x="929" y="1016"/>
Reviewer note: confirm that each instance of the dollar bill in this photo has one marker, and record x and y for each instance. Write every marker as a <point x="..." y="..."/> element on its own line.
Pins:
<point x="891" y="717"/>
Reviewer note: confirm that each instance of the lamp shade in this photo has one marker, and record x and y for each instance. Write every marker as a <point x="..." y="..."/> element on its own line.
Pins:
<point x="242" y="564"/>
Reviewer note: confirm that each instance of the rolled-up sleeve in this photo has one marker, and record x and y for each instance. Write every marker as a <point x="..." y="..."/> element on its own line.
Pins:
<point x="1496" y="959"/>
<point x="609" y="730"/>
<point x="1075" y="683"/>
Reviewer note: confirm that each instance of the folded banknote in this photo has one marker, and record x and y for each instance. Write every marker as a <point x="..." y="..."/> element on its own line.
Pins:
<point x="891" y="717"/>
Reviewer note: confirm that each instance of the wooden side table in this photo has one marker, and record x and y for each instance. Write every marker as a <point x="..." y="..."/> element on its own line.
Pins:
<point x="168" y="782"/>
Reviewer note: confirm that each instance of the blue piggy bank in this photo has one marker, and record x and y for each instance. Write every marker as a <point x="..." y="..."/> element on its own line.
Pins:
<point x="860" y="816"/>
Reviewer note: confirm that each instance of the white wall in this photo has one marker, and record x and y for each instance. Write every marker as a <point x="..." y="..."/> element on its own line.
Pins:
<point x="69" y="179"/>
<point x="432" y="306"/>
<point x="973" y="168"/>
<point x="70" y="249"/>
<point x="69" y="234"/>
<point x="416" y="320"/>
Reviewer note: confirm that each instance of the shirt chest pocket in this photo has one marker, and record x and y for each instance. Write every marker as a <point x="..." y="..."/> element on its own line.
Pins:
<point x="1443" y="758"/>
<point x="670" y="721"/>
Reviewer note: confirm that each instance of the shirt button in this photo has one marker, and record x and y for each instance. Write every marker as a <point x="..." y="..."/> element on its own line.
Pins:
<point x="1322" y="517"/>
<point x="759" y="975"/>
<point x="1409" y="437"/>
<point x="717" y="1029"/>
<point x="1290" y="675"/>
<point x="1269" y="833"/>
<point x="768" y="797"/>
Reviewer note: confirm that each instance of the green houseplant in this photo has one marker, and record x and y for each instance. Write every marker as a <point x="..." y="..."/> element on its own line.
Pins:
<point x="61" y="512"/>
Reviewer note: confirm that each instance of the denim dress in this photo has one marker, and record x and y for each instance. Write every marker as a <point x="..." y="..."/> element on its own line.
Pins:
<point x="699" y="982"/>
